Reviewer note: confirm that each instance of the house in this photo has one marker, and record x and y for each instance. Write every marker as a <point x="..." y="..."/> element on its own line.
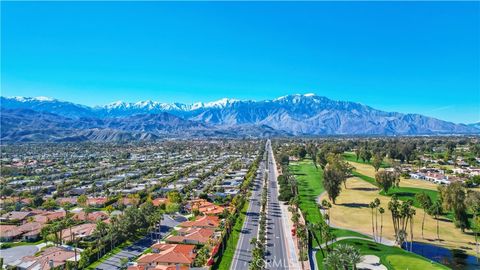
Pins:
<point x="16" y="216"/>
<point x="49" y="216"/>
<point x="97" y="202"/>
<point x="168" y="255"/>
<point x="83" y="231"/>
<point x="9" y="233"/>
<point x="31" y="230"/>
<point x="93" y="216"/>
<point x="196" y="236"/>
<point x="208" y="222"/>
<point x="49" y="258"/>
<point x="28" y="232"/>
<point x="417" y="175"/>
<point x="159" y="201"/>
<point x="69" y="200"/>
<point x="205" y="207"/>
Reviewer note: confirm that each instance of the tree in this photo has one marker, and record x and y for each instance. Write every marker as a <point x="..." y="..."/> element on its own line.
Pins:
<point x="377" y="161"/>
<point x="376" y="203"/>
<point x="173" y="208"/>
<point x="453" y="197"/>
<point x="37" y="201"/>
<point x="315" y="229"/>
<point x="342" y="257"/>
<point x="174" y="196"/>
<point x="365" y="154"/>
<point x="302" y="152"/>
<point x="372" y="206"/>
<point x="381" y="211"/>
<point x="426" y="203"/>
<point x="436" y="210"/>
<point x="49" y="204"/>
<point x="332" y="180"/>
<point x="82" y="200"/>
<point x="402" y="213"/>
<point x="476" y="230"/>
<point x="387" y="179"/>
<point x="473" y="202"/>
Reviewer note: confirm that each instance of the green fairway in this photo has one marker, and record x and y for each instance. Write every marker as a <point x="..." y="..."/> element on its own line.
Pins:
<point x="350" y="156"/>
<point x="408" y="193"/>
<point x="391" y="257"/>
<point x="402" y="262"/>
<point x="368" y="179"/>
<point x="310" y="186"/>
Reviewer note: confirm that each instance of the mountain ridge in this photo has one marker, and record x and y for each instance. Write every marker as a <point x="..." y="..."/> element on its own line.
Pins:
<point x="298" y="115"/>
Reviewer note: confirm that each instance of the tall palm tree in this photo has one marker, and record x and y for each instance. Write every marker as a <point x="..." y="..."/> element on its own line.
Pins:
<point x="426" y="202"/>
<point x="381" y="211"/>
<point x="377" y="204"/>
<point x="372" y="206"/>
<point x="436" y="210"/>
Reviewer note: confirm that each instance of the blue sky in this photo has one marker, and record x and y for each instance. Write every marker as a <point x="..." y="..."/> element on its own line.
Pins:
<point x="419" y="57"/>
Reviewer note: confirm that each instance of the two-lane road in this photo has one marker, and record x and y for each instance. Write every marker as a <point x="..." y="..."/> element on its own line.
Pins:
<point x="243" y="252"/>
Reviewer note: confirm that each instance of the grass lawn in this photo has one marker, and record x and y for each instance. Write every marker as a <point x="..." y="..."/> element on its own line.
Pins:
<point x="391" y="257"/>
<point x="310" y="186"/>
<point x="16" y="244"/>
<point x="227" y="257"/>
<point x="350" y="156"/>
<point x="408" y="193"/>
<point x="368" y="179"/>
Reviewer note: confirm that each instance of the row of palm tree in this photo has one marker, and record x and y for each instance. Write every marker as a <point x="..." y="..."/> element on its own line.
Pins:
<point x="375" y="207"/>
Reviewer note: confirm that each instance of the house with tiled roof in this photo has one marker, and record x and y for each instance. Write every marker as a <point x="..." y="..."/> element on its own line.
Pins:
<point x="9" y="233"/>
<point x="191" y="235"/>
<point x="28" y="232"/>
<point x="20" y="216"/>
<point x="205" y="207"/>
<point x="168" y="255"/>
<point x="159" y="201"/>
<point x="97" y="202"/>
<point x="49" y="216"/>
<point x="49" y="258"/>
<point x="93" y="216"/>
<point x="209" y="222"/>
<point x="83" y="231"/>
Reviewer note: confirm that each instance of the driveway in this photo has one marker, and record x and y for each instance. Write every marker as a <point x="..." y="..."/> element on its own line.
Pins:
<point x="10" y="255"/>
<point x="138" y="247"/>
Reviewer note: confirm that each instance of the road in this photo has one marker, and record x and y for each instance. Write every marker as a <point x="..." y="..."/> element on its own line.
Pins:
<point x="243" y="252"/>
<point x="10" y="255"/>
<point x="138" y="247"/>
<point x="280" y="247"/>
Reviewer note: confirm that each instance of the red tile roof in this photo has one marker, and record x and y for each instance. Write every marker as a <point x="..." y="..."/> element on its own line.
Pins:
<point x="202" y="222"/>
<point x="170" y="254"/>
<point x="58" y="255"/>
<point x="191" y="235"/>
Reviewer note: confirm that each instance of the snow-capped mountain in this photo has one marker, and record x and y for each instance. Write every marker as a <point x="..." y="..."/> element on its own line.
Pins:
<point x="299" y="114"/>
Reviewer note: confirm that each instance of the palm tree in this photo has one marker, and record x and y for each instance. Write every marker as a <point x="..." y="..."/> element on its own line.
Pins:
<point x="312" y="229"/>
<point x="381" y="211"/>
<point x="333" y="261"/>
<point x="343" y="257"/>
<point x="377" y="204"/>
<point x="426" y="202"/>
<point x="411" y="213"/>
<point x="372" y="206"/>
<point x="436" y="210"/>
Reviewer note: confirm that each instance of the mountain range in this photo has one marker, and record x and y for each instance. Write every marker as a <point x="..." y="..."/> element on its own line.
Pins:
<point x="25" y="119"/>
